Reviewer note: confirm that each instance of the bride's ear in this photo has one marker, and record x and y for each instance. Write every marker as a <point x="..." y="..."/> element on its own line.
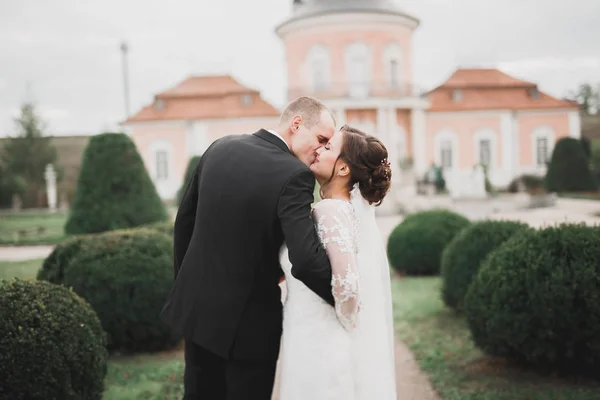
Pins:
<point x="343" y="170"/>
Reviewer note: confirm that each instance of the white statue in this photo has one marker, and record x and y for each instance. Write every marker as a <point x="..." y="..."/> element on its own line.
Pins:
<point x="50" y="176"/>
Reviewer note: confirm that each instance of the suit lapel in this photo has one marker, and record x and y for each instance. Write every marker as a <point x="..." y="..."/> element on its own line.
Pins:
<point x="269" y="137"/>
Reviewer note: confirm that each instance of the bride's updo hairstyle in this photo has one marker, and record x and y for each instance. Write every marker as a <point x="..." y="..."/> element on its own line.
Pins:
<point x="367" y="158"/>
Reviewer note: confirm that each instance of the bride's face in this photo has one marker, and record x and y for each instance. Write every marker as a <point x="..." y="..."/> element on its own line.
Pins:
<point x="327" y="156"/>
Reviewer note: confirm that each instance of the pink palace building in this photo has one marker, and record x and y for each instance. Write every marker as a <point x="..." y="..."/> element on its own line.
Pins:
<point x="356" y="56"/>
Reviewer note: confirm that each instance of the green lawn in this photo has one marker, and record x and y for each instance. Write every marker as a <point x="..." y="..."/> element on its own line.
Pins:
<point x="32" y="227"/>
<point x="441" y="343"/>
<point x="145" y="377"/>
<point x="19" y="269"/>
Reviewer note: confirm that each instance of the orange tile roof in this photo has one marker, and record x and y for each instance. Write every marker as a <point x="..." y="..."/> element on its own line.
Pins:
<point x="490" y="89"/>
<point x="205" y="97"/>
<point x="483" y="77"/>
<point x="215" y="85"/>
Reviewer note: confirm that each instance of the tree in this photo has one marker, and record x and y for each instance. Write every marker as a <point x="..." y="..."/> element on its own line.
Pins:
<point x="569" y="169"/>
<point x="114" y="190"/>
<point x="25" y="157"/>
<point x="588" y="98"/>
<point x="192" y="164"/>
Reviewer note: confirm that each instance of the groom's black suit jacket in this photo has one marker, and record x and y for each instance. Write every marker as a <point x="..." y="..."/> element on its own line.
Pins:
<point x="247" y="195"/>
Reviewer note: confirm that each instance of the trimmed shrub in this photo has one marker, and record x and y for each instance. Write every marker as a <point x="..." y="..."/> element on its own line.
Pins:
<point x="166" y="227"/>
<point x="415" y="246"/>
<point x="53" y="268"/>
<point x="536" y="298"/>
<point x="52" y="344"/>
<point x="587" y="147"/>
<point x="569" y="169"/>
<point x="189" y="171"/>
<point x="463" y="256"/>
<point x="114" y="190"/>
<point x="126" y="276"/>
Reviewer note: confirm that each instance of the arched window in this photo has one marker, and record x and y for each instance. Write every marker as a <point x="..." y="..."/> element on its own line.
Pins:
<point x="358" y="69"/>
<point x="392" y="62"/>
<point x="319" y="68"/>
<point x="446" y="149"/>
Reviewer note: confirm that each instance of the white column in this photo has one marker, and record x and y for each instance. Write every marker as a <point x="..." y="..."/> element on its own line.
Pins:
<point x="419" y="141"/>
<point x="50" y="176"/>
<point x="574" y="124"/>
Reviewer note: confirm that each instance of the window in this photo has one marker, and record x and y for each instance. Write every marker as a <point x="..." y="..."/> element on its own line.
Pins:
<point x="392" y="61"/>
<point x="534" y="93"/>
<point x="358" y="69"/>
<point x="159" y="105"/>
<point x="446" y="154"/>
<point x="319" y="75"/>
<point x="318" y="68"/>
<point x="457" y="95"/>
<point x="394" y="74"/>
<point x="162" y="166"/>
<point x="541" y="151"/>
<point x="246" y="100"/>
<point x="485" y="154"/>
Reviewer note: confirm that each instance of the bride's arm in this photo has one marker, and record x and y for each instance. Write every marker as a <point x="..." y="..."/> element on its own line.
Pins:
<point x="336" y="231"/>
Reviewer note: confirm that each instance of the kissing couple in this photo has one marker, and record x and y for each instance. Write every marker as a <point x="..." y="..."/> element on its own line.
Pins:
<point x="245" y="224"/>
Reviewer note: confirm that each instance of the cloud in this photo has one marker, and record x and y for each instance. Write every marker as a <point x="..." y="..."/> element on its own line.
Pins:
<point x="69" y="49"/>
<point x="551" y="63"/>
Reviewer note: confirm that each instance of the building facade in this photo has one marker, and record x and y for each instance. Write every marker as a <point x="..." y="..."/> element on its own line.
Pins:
<point x="183" y="121"/>
<point x="357" y="57"/>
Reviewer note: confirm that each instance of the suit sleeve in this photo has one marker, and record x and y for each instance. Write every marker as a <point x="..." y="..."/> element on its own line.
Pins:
<point x="184" y="222"/>
<point x="308" y="258"/>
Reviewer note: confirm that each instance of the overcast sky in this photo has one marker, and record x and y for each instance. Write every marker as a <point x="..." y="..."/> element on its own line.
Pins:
<point x="67" y="51"/>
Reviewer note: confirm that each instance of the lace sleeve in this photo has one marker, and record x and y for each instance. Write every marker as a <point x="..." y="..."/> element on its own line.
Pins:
<point x="337" y="231"/>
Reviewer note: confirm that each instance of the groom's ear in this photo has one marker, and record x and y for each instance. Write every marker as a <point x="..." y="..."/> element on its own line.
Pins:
<point x="296" y="122"/>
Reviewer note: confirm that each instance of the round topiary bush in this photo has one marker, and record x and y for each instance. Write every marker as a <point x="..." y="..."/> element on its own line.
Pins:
<point x="114" y="190"/>
<point x="52" y="344"/>
<point x="462" y="258"/>
<point x="166" y="227"/>
<point x="126" y="276"/>
<point x="415" y="246"/>
<point x="536" y="298"/>
<point x="53" y="268"/>
<point x="189" y="171"/>
<point x="569" y="169"/>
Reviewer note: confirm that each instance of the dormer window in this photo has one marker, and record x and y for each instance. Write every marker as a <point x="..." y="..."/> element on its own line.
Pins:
<point x="534" y="93"/>
<point x="457" y="95"/>
<point x="246" y="100"/>
<point x="159" y="105"/>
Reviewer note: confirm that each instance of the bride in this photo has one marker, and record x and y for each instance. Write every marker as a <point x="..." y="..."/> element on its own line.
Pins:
<point x="346" y="352"/>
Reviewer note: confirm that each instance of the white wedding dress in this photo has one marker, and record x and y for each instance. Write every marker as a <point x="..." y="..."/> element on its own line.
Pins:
<point x="346" y="352"/>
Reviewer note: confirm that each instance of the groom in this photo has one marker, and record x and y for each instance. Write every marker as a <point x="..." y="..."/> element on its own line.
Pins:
<point x="247" y="195"/>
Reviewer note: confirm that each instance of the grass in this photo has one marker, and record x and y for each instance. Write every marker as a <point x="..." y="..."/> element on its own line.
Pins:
<point x="20" y="269"/>
<point x="32" y="227"/>
<point x="145" y="377"/>
<point x="442" y="346"/>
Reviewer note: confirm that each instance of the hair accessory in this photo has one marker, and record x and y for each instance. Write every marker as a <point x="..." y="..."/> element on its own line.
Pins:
<point x="386" y="164"/>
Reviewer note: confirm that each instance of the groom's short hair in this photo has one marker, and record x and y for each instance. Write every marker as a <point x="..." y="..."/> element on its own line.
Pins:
<point x="308" y="107"/>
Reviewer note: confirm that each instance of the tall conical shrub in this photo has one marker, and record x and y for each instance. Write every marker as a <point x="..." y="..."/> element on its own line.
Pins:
<point x="192" y="164"/>
<point x="114" y="190"/>
<point x="569" y="169"/>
